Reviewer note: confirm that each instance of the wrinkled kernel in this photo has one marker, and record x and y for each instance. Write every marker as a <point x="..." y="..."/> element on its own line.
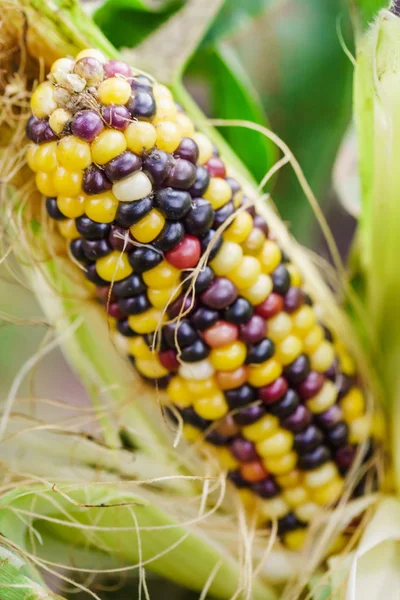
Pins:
<point x="113" y="267"/>
<point x="168" y="136"/>
<point x="218" y="192"/>
<point x="114" y="90"/>
<point x="107" y="145"/>
<point x="211" y="407"/>
<point x="71" y="206"/>
<point x="42" y="100"/>
<point x="58" y="120"/>
<point x="73" y="154"/>
<point x="146" y="322"/>
<point x="148" y="228"/>
<point x="140" y="136"/>
<point x="101" y="208"/>
<point x="67" y="183"/>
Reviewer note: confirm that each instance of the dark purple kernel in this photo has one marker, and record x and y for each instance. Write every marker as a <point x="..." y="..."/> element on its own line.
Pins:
<point x="243" y="450"/>
<point x="124" y="328"/>
<point x="157" y="165"/>
<point x="236" y="478"/>
<point x="288" y="523"/>
<point x="134" y="305"/>
<point x="114" y="311"/>
<point x="142" y="105"/>
<point x="39" y="131"/>
<point x="233" y="184"/>
<point x="221" y="293"/>
<point x="142" y="83"/>
<point x="142" y="259"/>
<point x="327" y="333"/>
<point x="105" y="294"/>
<point x="91" y="275"/>
<point x="298" y="370"/>
<point x="155" y="342"/>
<point x="308" y="439"/>
<point x="344" y="457"/>
<point x="174" y="204"/>
<point x="200" y="281"/>
<point x="285" y="406"/>
<point x="211" y="242"/>
<point x="119" y="238"/>
<point x="281" y="280"/>
<point x="330" y="417"/>
<point x="86" y="125"/>
<point x="333" y="370"/>
<point x="195" y="352"/>
<point x="190" y="416"/>
<point x="201" y="182"/>
<point x="239" y="312"/>
<point x="53" y="211"/>
<point x="311" y="385"/>
<point x="204" y="318"/>
<point x="77" y="250"/>
<point x="129" y="213"/>
<point x="95" y="181"/>
<point x="181" y="333"/>
<point x="95" y="249"/>
<point x="315" y="458"/>
<point x="182" y="305"/>
<point x="117" y="67"/>
<point x="253" y="331"/>
<point x="343" y="383"/>
<point x="91" y="230"/>
<point x="307" y="299"/>
<point x="293" y="299"/>
<point x="200" y="217"/>
<point x="267" y="488"/>
<point x="338" y="435"/>
<point x="222" y="214"/>
<point x="182" y="174"/>
<point x="130" y="286"/>
<point x="298" y="420"/>
<point x="216" y="438"/>
<point x="117" y="117"/>
<point x="159" y="384"/>
<point x="249" y="414"/>
<point x="250" y="209"/>
<point x="170" y="236"/>
<point x="187" y="149"/>
<point x="122" y="165"/>
<point x="259" y="353"/>
<point x="240" y="396"/>
<point x="260" y="223"/>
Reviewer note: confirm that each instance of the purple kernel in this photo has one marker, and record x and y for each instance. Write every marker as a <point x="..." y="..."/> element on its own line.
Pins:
<point x="236" y="478"/>
<point x="182" y="175"/>
<point x="344" y="383"/>
<point x="117" y="238"/>
<point x="298" y="420"/>
<point x="122" y="165"/>
<point x="117" y="117"/>
<point x="293" y="299"/>
<point x="95" y="181"/>
<point x="333" y="370"/>
<point x="311" y="385"/>
<point x="90" y="69"/>
<point x="188" y="150"/>
<point x="181" y="306"/>
<point x="253" y="331"/>
<point x="39" y="131"/>
<point x="267" y="488"/>
<point x="249" y="414"/>
<point x="345" y="456"/>
<point x="221" y="293"/>
<point x="86" y="125"/>
<point x="330" y="417"/>
<point x="298" y="370"/>
<point x="243" y="450"/>
<point x="260" y="223"/>
<point x="117" y="67"/>
<point x="308" y="439"/>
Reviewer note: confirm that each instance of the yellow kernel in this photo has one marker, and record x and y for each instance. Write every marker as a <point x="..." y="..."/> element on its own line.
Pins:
<point x="205" y="148"/>
<point x="324" y="399"/>
<point x="71" y="206"/>
<point x="274" y="508"/>
<point x="281" y="464"/>
<point x="294" y="540"/>
<point x="303" y="320"/>
<point x="162" y="276"/>
<point x="306" y="512"/>
<point x="166" y="110"/>
<point x="226" y="459"/>
<point x="62" y="64"/>
<point x="279" y="327"/>
<point x="295" y="277"/>
<point x="45" y="157"/>
<point x="114" y="90"/>
<point x="151" y="367"/>
<point x="261" y="429"/>
<point x="347" y="364"/>
<point x="140" y="136"/>
<point x="58" y="119"/>
<point x="228" y="257"/>
<point x="291" y="479"/>
<point x="44" y="183"/>
<point x="185" y="125"/>
<point x="313" y="339"/>
<point x="328" y="493"/>
<point x="338" y="544"/>
<point x="107" y="145"/>
<point x="211" y="407"/>
<point x="237" y="199"/>
<point x="378" y="426"/>
<point x="288" y="350"/>
<point x="240" y="228"/>
<point x="68" y="229"/>
<point x="254" y="242"/>
<point x="204" y="387"/>
<point x="323" y="357"/>
<point x="279" y="443"/>
<point x="192" y="434"/>
<point x="178" y="392"/>
<point x="246" y="274"/>
<point x="162" y="298"/>
<point x="249" y="500"/>
<point x="146" y="322"/>
<point x="42" y="100"/>
<point x="147" y="229"/>
<point x="73" y="154"/>
<point x="218" y="192"/>
<point x="321" y="476"/>
<point x="161" y="91"/>
<point x="31" y="156"/>
<point x="67" y="183"/>
<point x="260" y="291"/>
<point x="113" y="267"/>
<point x="229" y="357"/>
<point x="295" y="496"/>
<point x="101" y="208"/>
<point x="139" y="349"/>
<point x="270" y="256"/>
<point x="360" y="429"/>
<point x="264" y="373"/>
<point x="92" y="53"/>
<point x="168" y="136"/>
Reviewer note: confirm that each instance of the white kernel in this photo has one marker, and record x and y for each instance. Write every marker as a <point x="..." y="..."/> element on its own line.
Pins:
<point x="306" y="511"/>
<point x="134" y="187"/>
<point x="198" y="371"/>
<point x="93" y="53"/>
<point x="321" y="476"/>
<point x="275" y="508"/>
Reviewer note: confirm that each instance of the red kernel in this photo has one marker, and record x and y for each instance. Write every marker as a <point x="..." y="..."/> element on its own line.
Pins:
<point x="270" y="307"/>
<point x="186" y="254"/>
<point x="221" y="334"/>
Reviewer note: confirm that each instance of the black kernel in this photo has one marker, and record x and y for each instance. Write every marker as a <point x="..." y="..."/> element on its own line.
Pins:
<point x="201" y="182"/>
<point x="91" y="230"/>
<point x="200" y="217"/>
<point x="260" y="352"/>
<point x="53" y="211"/>
<point x="170" y="236"/>
<point x="174" y="204"/>
<point x="129" y="213"/>
<point x="134" y="305"/>
<point x="130" y="286"/>
<point x="142" y="259"/>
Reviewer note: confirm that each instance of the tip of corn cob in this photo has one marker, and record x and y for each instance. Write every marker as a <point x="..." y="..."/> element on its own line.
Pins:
<point x="149" y="210"/>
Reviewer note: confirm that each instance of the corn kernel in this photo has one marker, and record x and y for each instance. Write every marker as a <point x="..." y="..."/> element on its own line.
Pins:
<point x="185" y="125"/>
<point x="360" y="429"/>
<point x="249" y="500"/>
<point x="246" y="274"/>
<point x="295" y="277"/>
<point x="229" y="357"/>
<point x="191" y="434"/>
<point x="114" y="90"/>
<point x="147" y="229"/>
<point x="279" y="327"/>
<point x="282" y="464"/>
<point x="290" y="479"/>
<point x="139" y="349"/>
<point x="240" y="228"/>
<point x="162" y="276"/>
<point x="288" y="350"/>
<point x="146" y="322"/>
<point x="101" y="208"/>
<point x="73" y="154"/>
<point x="225" y="458"/>
<point x="107" y="145"/>
<point x="303" y="320"/>
<point x="42" y="100"/>
<point x="161" y="91"/>
<point x="261" y="429"/>
<point x="228" y="257"/>
<point x="140" y="136"/>
<point x="254" y="242"/>
<point x="68" y="229"/>
<point x="113" y="267"/>
<point x="274" y="508"/>
<point x="162" y="298"/>
<point x="270" y="256"/>
<point x="306" y="512"/>
<point x="67" y="183"/>
<point x="328" y="493"/>
<point x="253" y="471"/>
<point x="198" y="371"/>
<point x="295" y="540"/>
<point x="211" y="407"/>
<point x="166" y="110"/>
<point x="201" y="388"/>
<point x="31" y="156"/>
<point x="260" y="291"/>
<point x="205" y="147"/>
<point x="178" y="392"/>
<point x="295" y="496"/>
<point x="62" y="64"/>
<point x="323" y="357"/>
<point x="218" y="192"/>
<point x="45" y="157"/>
<point x="92" y="53"/>
<point x="277" y="444"/>
<point x="134" y="187"/>
<point x="324" y="399"/>
<point x="313" y="339"/>
<point x="44" y="183"/>
<point x="321" y="476"/>
<point x="168" y="136"/>
<point x="264" y="373"/>
<point x="151" y="367"/>
<point x="71" y="206"/>
<point x="58" y="120"/>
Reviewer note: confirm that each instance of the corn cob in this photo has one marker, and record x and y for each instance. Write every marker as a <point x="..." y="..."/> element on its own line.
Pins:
<point x="174" y="247"/>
